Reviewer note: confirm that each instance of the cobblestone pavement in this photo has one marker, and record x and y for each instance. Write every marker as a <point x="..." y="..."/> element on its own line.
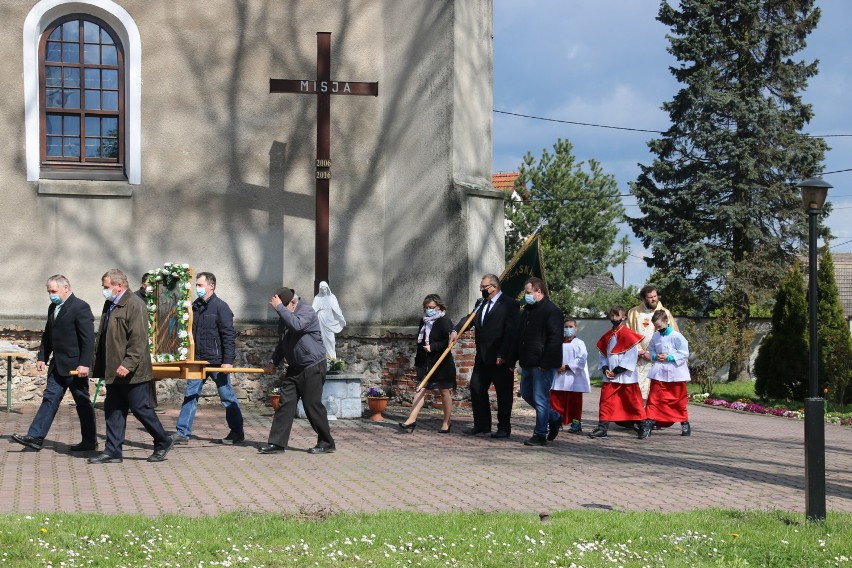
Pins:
<point x="732" y="460"/>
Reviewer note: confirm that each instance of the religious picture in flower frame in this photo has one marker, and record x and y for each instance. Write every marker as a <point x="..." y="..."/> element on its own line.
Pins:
<point x="169" y="297"/>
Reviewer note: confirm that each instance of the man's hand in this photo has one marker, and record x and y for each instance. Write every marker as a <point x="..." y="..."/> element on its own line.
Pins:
<point x="122" y="371"/>
<point x="644" y="354"/>
<point x="40" y="366"/>
<point x="427" y="348"/>
<point x="83" y="372"/>
<point x="275" y="302"/>
<point x="563" y="368"/>
<point x="227" y="365"/>
<point x="269" y="369"/>
<point x="453" y="336"/>
<point x="501" y="361"/>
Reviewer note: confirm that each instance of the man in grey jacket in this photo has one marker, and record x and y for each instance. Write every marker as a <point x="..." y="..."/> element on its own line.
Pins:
<point x="300" y="344"/>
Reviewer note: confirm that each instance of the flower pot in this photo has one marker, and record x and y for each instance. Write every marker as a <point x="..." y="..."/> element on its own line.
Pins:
<point x="377" y="405"/>
<point x="275" y="401"/>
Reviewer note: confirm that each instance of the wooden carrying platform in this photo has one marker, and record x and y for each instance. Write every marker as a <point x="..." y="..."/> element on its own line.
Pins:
<point x="195" y="370"/>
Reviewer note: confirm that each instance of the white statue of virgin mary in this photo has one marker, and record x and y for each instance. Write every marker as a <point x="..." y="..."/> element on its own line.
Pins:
<point x="330" y="317"/>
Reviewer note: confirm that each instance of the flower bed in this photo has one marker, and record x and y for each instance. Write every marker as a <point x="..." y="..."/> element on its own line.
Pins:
<point x="746" y="405"/>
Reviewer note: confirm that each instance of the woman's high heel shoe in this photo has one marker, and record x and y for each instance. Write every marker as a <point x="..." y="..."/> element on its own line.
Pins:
<point x="447" y="431"/>
<point x="408" y="428"/>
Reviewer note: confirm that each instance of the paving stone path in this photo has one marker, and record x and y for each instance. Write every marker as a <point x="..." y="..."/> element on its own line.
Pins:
<point x="732" y="460"/>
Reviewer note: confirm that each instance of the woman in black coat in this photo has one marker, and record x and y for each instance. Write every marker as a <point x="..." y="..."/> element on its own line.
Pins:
<point x="432" y="340"/>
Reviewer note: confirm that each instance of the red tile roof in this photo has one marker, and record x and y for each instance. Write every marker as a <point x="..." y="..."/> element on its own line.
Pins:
<point x="504" y="181"/>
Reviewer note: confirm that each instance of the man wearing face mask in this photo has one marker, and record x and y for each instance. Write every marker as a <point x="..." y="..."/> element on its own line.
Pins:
<point x="215" y="342"/>
<point x="300" y="344"/>
<point x="539" y="356"/>
<point x="67" y="343"/>
<point x="621" y="398"/>
<point x="123" y="359"/>
<point x="496" y="336"/>
<point x="639" y="320"/>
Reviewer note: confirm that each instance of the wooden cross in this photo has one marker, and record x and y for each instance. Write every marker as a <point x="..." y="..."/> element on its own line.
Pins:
<point x="323" y="87"/>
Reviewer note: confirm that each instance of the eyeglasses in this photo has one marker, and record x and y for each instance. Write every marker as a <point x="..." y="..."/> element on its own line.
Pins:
<point x="486" y="287"/>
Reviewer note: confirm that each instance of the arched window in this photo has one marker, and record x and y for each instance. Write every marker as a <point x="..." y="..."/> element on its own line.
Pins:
<point x="81" y="95"/>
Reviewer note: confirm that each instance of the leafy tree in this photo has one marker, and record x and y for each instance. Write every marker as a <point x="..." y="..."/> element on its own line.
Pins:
<point x="577" y="210"/>
<point x="598" y="303"/>
<point x="782" y="359"/>
<point x="719" y="211"/>
<point x="710" y="346"/>
<point x="835" y="349"/>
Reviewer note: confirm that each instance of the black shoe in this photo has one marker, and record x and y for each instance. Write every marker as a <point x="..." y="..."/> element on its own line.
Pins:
<point x="83" y="447"/>
<point x="553" y="428"/>
<point x="645" y="429"/>
<point x="685" y="429"/>
<point x="473" y="431"/>
<point x="105" y="458"/>
<point x="230" y="439"/>
<point x="445" y="430"/>
<point x="270" y="449"/>
<point x="408" y="428"/>
<point x="536" y="441"/>
<point x="28" y="441"/>
<point x="500" y="434"/>
<point x="598" y="433"/>
<point x="321" y="450"/>
<point x="160" y="455"/>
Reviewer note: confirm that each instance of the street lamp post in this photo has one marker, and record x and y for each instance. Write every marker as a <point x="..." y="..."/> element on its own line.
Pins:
<point x="814" y="192"/>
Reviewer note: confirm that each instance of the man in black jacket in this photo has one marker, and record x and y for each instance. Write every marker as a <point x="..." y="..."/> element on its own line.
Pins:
<point x="69" y="337"/>
<point x="495" y="327"/>
<point x="215" y="342"/>
<point x="539" y="355"/>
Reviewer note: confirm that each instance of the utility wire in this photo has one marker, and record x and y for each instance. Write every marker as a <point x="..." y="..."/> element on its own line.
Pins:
<point x="609" y="126"/>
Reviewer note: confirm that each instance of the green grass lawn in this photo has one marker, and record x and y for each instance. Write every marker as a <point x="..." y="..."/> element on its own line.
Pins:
<point x="569" y="538"/>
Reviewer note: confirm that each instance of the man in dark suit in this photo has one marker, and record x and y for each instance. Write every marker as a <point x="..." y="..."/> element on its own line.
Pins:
<point x="67" y="343"/>
<point x="496" y="328"/>
<point x="124" y="361"/>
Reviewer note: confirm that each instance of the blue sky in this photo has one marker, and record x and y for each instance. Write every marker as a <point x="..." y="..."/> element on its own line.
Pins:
<point x="605" y="62"/>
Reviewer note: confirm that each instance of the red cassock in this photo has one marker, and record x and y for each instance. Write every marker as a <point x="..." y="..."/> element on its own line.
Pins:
<point x="621" y="402"/>
<point x="667" y="402"/>
<point x="567" y="403"/>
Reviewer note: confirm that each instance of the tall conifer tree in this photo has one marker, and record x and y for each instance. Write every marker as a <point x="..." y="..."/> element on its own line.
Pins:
<point x="781" y="366"/>
<point x="835" y="349"/>
<point x="720" y="210"/>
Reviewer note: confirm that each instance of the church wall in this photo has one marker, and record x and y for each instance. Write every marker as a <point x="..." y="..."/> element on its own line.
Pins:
<point x="227" y="172"/>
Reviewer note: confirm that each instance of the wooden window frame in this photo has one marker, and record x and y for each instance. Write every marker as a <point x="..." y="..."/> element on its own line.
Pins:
<point x="82" y="168"/>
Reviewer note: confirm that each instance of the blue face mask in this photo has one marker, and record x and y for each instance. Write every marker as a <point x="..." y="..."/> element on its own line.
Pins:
<point x="570" y="332"/>
<point x="200" y="292"/>
<point x="431" y="312"/>
<point x="528" y="298"/>
<point x="55" y="299"/>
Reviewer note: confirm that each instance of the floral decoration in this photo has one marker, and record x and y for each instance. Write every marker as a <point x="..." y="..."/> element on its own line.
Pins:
<point x="376" y="392"/>
<point x="174" y="277"/>
<point x="746" y="405"/>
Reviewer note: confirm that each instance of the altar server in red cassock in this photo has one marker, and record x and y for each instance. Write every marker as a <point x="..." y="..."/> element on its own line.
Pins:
<point x="621" y="397"/>
<point x="572" y="379"/>
<point x="667" y="400"/>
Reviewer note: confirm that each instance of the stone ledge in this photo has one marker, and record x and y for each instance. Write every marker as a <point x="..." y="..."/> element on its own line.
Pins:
<point x="84" y="188"/>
